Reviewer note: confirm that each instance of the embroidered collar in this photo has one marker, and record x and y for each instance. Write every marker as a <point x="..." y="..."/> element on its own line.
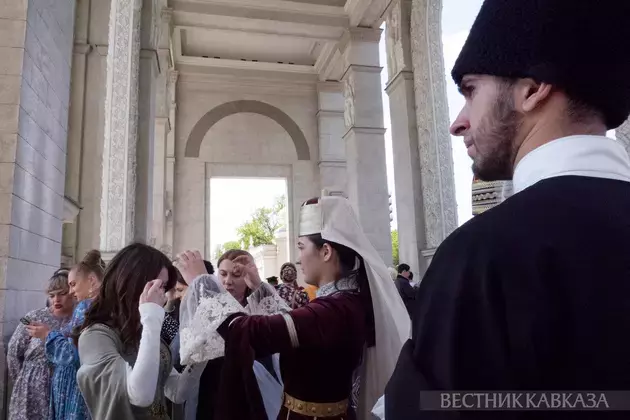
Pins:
<point x="338" y="286"/>
<point x="592" y="156"/>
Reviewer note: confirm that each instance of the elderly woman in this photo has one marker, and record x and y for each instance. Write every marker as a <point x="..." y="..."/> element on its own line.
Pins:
<point x="28" y="366"/>
<point x="293" y="294"/>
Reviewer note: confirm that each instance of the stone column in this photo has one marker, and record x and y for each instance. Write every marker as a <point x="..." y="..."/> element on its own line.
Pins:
<point x="407" y="172"/>
<point x="121" y="126"/>
<point x="36" y="40"/>
<point x="12" y="44"/>
<point x="432" y="120"/>
<point x="158" y="225"/>
<point x="152" y="83"/>
<point x="161" y="130"/>
<point x="82" y="49"/>
<point x="365" y="140"/>
<point x="169" y="183"/>
<point x="332" y="147"/>
<point x="75" y="144"/>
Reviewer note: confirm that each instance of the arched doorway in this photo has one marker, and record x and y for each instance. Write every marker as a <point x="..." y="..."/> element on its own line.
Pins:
<point x="213" y="116"/>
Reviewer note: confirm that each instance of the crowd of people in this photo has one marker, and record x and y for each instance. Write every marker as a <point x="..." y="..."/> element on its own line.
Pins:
<point x="530" y="295"/>
<point x="145" y="337"/>
<point x="44" y="359"/>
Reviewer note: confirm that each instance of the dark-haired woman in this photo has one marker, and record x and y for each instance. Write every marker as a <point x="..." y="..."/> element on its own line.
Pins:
<point x="66" y="401"/>
<point x="126" y="368"/>
<point x="355" y="327"/>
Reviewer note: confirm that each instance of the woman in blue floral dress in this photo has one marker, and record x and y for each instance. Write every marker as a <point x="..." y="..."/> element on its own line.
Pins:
<point x="66" y="401"/>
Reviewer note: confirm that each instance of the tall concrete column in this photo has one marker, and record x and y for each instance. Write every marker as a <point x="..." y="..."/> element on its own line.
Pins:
<point x="82" y="49"/>
<point x="161" y="129"/>
<point x="36" y="40"/>
<point x="158" y="225"/>
<point x="86" y="128"/>
<point x="12" y="44"/>
<point x="365" y="136"/>
<point x="121" y="126"/>
<point x="332" y="147"/>
<point x="407" y="172"/>
<point x="154" y="63"/>
<point x="432" y="121"/>
<point x="169" y="183"/>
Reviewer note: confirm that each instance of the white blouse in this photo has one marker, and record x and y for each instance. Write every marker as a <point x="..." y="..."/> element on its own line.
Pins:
<point x="142" y="378"/>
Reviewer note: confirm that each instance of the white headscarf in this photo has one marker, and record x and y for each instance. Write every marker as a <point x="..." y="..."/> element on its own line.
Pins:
<point x="335" y="220"/>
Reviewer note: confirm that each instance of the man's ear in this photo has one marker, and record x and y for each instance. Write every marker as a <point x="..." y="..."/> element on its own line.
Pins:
<point x="531" y="94"/>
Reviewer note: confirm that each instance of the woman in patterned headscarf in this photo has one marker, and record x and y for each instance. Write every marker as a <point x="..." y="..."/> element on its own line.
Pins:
<point x="294" y="295"/>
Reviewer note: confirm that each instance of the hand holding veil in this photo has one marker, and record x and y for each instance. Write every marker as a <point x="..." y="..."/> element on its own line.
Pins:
<point x="207" y="305"/>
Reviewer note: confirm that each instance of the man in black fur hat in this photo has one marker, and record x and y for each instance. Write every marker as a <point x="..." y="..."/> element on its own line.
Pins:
<point x="533" y="294"/>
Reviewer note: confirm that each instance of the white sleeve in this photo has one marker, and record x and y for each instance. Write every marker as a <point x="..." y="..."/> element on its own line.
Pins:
<point x="179" y="385"/>
<point x="142" y="378"/>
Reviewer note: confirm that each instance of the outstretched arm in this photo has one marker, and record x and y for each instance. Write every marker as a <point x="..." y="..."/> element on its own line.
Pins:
<point x="322" y="323"/>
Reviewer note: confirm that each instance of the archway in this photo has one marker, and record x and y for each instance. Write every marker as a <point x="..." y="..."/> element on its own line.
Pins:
<point x="216" y="114"/>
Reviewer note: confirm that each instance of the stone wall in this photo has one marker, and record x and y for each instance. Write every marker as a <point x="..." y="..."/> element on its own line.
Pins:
<point x="36" y="38"/>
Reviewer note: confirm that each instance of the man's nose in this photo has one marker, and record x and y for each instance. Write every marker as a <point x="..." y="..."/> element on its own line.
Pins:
<point x="460" y="126"/>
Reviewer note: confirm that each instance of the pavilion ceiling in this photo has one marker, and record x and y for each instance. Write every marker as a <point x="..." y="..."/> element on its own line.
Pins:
<point x="294" y="39"/>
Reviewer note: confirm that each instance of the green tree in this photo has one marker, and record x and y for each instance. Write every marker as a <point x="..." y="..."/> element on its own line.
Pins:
<point x="395" y="256"/>
<point x="231" y="245"/>
<point x="222" y="248"/>
<point x="265" y="222"/>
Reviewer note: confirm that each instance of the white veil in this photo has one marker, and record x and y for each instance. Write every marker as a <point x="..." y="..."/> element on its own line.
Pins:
<point x="339" y="224"/>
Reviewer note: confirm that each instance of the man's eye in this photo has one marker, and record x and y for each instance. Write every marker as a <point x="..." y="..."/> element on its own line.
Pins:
<point x="467" y="90"/>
